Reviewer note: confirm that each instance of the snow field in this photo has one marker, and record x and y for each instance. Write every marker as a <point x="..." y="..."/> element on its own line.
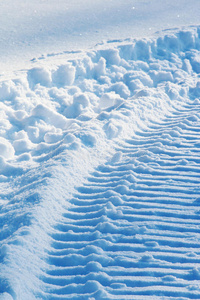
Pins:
<point x="100" y="174"/>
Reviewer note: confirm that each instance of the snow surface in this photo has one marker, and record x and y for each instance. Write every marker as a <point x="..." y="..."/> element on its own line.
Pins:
<point x="99" y="152"/>
<point x="30" y="29"/>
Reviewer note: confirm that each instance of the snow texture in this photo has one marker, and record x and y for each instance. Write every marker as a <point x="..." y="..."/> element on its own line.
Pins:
<point x="99" y="174"/>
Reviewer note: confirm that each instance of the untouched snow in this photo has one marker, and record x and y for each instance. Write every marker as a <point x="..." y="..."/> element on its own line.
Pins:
<point x="99" y="153"/>
<point x="30" y="29"/>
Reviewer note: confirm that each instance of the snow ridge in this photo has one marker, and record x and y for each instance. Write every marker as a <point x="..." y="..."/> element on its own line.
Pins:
<point x="100" y="174"/>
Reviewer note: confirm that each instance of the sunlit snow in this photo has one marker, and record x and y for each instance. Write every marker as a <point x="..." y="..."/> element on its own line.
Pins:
<point x="99" y="150"/>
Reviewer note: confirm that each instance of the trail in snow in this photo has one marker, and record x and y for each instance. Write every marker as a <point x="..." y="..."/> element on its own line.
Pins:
<point x="100" y="174"/>
<point x="132" y="229"/>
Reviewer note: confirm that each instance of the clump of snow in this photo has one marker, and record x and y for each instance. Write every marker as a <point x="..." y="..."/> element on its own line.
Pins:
<point x="111" y="56"/>
<point x="64" y="75"/>
<point x="108" y="100"/>
<point x="7" y="90"/>
<point x="50" y="116"/>
<point x="39" y="75"/>
<point x="99" y="68"/>
<point x="6" y="149"/>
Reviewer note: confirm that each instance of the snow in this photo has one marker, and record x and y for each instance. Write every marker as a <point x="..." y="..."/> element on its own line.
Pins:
<point x="99" y="150"/>
<point x="32" y="29"/>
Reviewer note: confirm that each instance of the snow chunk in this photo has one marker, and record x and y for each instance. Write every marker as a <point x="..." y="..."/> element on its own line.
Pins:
<point x="187" y="38"/>
<point x="50" y="116"/>
<point x="137" y="79"/>
<point x="112" y="56"/>
<point x="142" y="50"/>
<point x="160" y="76"/>
<point x="79" y="105"/>
<point x="7" y="90"/>
<point x="100" y="68"/>
<point x="195" y="62"/>
<point x="64" y="75"/>
<point x="22" y="145"/>
<point x="121" y="89"/>
<point x="53" y="137"/>
<point x="187" y="66"/>
<point x="107" y="100"/>
<point x="33" y="133"/>
<point x="6" y="149"/>
<point x="39" y="75"/>
<point x="172" y="42"/>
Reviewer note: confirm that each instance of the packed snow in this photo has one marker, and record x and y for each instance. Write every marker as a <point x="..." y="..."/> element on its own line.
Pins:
<point x="99" y="152"/>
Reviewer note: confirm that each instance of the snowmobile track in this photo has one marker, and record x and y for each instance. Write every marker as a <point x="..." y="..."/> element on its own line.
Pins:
<point x="132" y="231"/>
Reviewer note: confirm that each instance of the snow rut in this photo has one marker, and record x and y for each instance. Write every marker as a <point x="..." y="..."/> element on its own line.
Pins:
<point x="132" y="231"/>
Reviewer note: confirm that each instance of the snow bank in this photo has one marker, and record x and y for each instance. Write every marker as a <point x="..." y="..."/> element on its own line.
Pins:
<point x="40" y="108"/>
